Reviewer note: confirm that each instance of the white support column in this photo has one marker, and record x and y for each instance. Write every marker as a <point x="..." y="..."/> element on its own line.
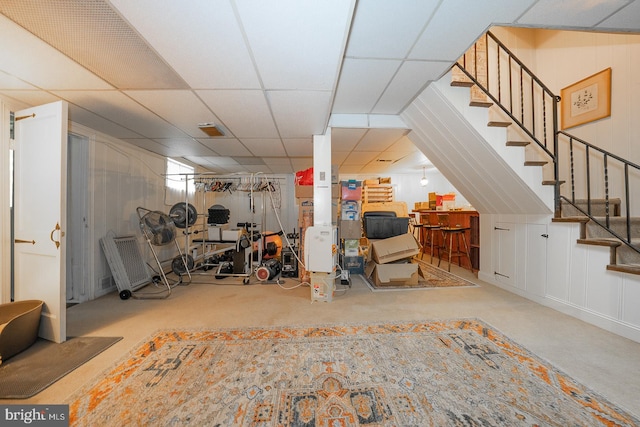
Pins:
<point x="322" y="179"/>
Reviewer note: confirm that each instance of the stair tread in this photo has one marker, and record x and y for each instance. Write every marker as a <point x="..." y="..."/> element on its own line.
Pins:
<point x="552" y="182"/>
<point x="571" y="219"/>
<point x="600" y="242"/>
<point x="535" y="162"/>
<point x="498" y="123"/>
<point x="462" y="83"/>
<point x="484" y="104"/>
<point x="517" y="143"/>
<point x="625" y="268"/>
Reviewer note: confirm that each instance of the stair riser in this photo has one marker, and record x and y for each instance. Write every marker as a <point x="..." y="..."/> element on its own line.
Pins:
<point x="618" y="225"/>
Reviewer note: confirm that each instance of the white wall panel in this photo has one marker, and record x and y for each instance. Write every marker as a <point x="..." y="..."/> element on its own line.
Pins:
<point x="603" y="288"/>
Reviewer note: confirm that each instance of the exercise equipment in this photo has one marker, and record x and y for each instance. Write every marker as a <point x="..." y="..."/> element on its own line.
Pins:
<point x="183" y="214"/>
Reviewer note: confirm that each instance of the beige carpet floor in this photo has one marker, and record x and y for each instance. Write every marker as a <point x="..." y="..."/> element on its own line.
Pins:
<point x="606" y="363"/>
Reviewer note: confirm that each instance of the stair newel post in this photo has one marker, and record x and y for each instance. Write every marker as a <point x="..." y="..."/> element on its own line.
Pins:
<point x="606" y="192"/>
<point x="556" y="160"/>
<point x="626" y="200"/>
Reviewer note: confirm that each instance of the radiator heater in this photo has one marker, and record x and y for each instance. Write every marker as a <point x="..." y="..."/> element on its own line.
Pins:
<point x="127" y="266"/>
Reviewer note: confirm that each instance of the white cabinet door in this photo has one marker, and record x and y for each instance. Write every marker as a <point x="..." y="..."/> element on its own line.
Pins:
<point x="40" y="213"/>
<point x="505" y="261"/>
<point x="536" y="259"/>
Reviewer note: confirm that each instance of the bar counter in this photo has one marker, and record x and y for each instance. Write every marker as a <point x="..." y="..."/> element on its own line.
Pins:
<point x="469" y="219"/>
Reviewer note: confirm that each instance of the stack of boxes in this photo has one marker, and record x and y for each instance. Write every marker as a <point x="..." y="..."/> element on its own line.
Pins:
<point x="391" y="261"/>
<point x="350" y="226"/>
<point x="442" y="202"/>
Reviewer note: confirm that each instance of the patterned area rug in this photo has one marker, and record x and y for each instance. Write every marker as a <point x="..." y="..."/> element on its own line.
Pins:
<point x="432" y="278"/>
<point x="444" y="373"/>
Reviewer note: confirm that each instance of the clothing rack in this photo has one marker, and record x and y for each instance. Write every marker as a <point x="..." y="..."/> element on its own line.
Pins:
<point x="246" y="183"/>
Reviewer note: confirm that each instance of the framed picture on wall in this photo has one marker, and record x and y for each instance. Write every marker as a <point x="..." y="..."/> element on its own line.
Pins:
<point x="586" y="100"/>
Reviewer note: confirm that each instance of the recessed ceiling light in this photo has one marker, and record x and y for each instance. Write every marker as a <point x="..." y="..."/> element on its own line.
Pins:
<point x="211" y="129"/>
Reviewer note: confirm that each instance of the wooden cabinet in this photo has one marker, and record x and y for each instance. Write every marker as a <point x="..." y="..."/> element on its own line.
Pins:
<point x="378" y="193"/>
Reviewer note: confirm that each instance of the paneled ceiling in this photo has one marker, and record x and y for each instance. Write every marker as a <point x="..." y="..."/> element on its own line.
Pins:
<point x="269" y="73"/>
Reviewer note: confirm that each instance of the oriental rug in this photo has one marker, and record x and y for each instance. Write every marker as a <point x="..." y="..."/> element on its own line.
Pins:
<point x="435" y="373"/>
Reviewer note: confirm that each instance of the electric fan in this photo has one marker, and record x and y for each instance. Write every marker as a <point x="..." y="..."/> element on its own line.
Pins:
<point x="158" y="227"/>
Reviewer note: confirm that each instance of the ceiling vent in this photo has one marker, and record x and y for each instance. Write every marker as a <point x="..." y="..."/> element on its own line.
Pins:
<point x="211" y="129"/>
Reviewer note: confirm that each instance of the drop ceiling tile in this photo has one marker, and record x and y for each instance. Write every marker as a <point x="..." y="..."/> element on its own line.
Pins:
<point x="226" y="146"/>
<point x="346" y="169"/>
<point x="235" y="169"/>
<point x="345" y="139"/>
<point x="150" y="145"/>
<point x="182" y="108"/>
<point x="95" y="36"/>
<point x="223" y="161"/>
<point x="30" y="97"/>
<point x="362" y="81"/>
<point x="314" y="33"/>
<point x="337" y="157"/>
<point x="569" y="13"/>
<point x="379" y="139"/>
<point x="121" y="109"/>
<point x="100" y="124"/>
<point x="360" y="157"/>
<point x="404" y="145"/>
<point x="7" y="81"/>
<point x="446" y="42"/>
<point x="412" y="77"/>
<point x="264" y="147"/>
<point x="186" y="146"/>
<point x="244" y="112"/>
<point x="298" y="147"/>
<point x="22" y="53"/>
<point x="387" y="28"/>
<point x="281" y="168"/>
<point x="271" y="161"/>
<point x="300" y="114"/>
<point x="248" y="160"/>
<point x="204" y="32"/>
<point x="301" y="163"/>
<point x="625" y="19"/>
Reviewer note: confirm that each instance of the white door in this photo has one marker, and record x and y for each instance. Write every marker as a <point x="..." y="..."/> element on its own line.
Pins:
<point x="40" y="213"/>
<point x="505" y="261"/>
<point x="536" y="259"/>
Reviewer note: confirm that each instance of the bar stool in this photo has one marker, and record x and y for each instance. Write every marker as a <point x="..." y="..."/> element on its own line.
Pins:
<point x="429" y="233"/>
<point x="449" y="231"/>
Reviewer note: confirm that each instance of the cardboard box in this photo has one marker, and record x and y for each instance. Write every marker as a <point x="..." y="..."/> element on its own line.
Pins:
<point x="406" y="274"/>
<point x="354" y="264"/>
<point x="214" y="232"/>
<point x="350" y="229"/>
<point x="335" y="170"/>
<point x="305" y="212"/>
<point x="306" y="191"/>
<point x="394" y="248"/>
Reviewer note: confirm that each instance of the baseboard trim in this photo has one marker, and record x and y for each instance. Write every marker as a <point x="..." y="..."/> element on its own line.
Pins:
<point x="610" y="324"/>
